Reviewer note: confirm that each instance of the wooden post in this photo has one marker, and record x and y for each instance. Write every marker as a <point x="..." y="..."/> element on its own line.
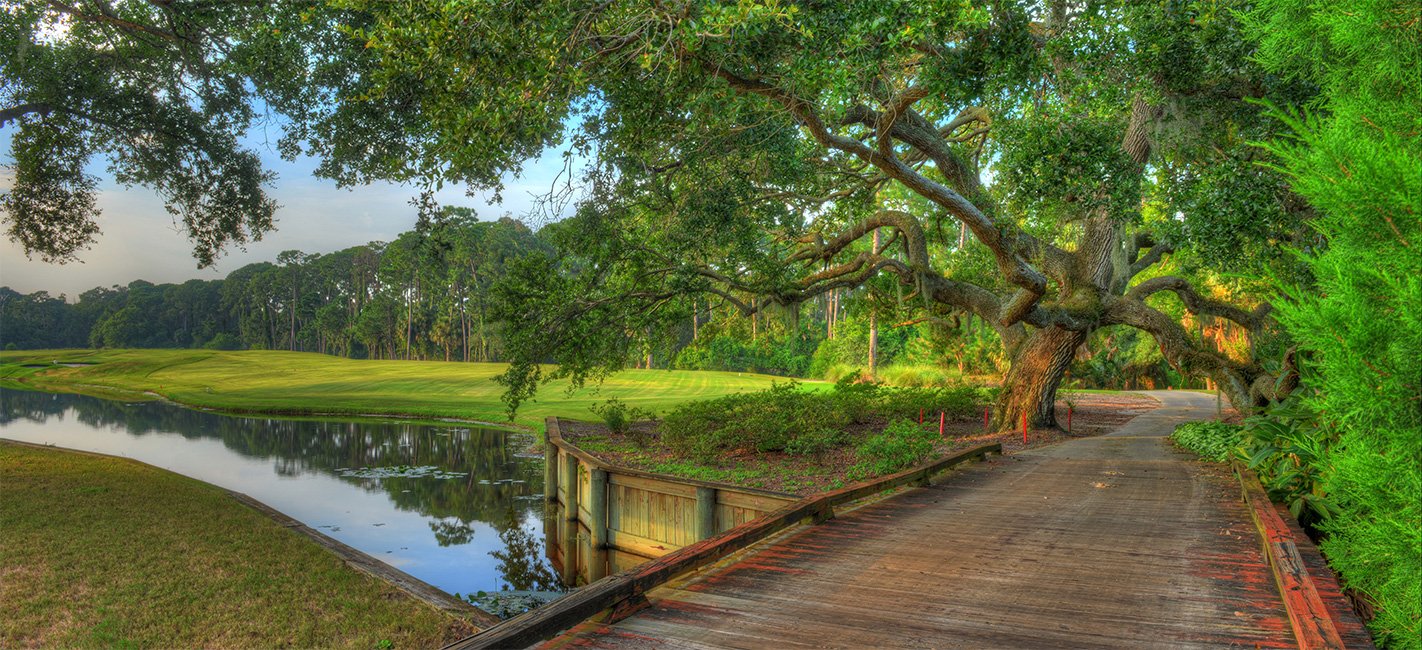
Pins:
<point x="1219" y="407"/>
<point x="569" y="485"/>
<point x="987" y="424"/>
<point x="1069" y="409"/>
<point x="550" y="471"/>
<point x="1024" y="428"/>
<point x="942" y="420"/>
<point x="705" y="512"/>
<point x="597" y="506"/>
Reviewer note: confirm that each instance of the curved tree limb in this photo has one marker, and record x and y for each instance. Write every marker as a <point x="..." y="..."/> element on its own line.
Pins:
<point x="1199" y="304"/>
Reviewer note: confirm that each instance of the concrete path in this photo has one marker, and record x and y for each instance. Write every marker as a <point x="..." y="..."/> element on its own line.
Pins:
<point x="1115" y="541"/>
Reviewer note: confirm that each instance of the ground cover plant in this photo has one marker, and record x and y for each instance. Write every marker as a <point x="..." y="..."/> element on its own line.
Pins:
<point x="105" y="552"/>
<point x="1214" y="441"/>
<point x="293" y="383"/>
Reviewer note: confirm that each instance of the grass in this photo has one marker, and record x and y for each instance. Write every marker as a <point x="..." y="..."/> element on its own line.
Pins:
<point x="106" y="552"/>
<point x="297" y="383"/>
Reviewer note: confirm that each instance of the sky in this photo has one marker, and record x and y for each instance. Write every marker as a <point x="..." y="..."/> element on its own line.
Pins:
<point x="141" y="241"/>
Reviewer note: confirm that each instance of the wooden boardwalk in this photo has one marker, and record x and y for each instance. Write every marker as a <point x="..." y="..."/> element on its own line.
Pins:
<point x="1115" y="541"/>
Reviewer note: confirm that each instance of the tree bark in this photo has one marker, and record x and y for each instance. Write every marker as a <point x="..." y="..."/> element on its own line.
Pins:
<point x="1030" y="385"/>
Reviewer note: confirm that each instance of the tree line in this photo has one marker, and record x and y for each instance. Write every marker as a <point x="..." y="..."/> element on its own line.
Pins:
<point x="424" y="295"/>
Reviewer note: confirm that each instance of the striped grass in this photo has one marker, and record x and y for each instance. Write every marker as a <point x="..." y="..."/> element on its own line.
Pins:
<point x="297" y="383"/>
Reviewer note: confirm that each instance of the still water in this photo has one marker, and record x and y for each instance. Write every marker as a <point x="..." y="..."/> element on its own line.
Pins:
<point x="457" y="507"/>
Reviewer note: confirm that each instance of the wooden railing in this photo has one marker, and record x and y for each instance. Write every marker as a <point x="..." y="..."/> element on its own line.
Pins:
<point x="619" y="590"/>
<point x="609" y="518"/>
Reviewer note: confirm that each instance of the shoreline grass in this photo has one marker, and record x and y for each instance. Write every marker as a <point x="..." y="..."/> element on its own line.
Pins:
<point x="105" y="552"/>
<point x="309" y="384"/>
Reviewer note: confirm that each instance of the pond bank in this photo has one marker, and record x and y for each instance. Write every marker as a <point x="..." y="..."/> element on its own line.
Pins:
<point x="98" y="550"/>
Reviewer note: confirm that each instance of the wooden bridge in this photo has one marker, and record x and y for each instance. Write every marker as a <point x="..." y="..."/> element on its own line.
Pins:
<point x="1113" y="541"/>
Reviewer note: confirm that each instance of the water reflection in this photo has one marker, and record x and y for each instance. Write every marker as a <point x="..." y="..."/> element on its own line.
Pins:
<point x="480" y="530"/>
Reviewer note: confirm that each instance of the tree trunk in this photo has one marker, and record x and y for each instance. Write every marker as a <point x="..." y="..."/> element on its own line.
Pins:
<point x="1031" y="383"/>
<point x="874" y="325"/>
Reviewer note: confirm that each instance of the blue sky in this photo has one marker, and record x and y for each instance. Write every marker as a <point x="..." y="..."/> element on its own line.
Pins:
<point x="141" y="241"/>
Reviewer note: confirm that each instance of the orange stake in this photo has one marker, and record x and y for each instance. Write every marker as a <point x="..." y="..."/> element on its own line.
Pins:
<point x="986" y="425"/>
<point x="942" y="419"/>
<point x="1024" y="428"/>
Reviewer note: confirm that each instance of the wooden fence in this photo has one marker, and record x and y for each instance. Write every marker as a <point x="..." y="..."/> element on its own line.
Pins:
<point x="607" y="519"/>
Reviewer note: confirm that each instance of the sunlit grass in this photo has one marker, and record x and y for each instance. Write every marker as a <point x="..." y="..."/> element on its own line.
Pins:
<point x="105" y="552"/>
<point x="295" y="383"/>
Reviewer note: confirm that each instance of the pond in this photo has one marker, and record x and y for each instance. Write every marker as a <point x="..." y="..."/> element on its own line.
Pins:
<point x="458" y="507"/>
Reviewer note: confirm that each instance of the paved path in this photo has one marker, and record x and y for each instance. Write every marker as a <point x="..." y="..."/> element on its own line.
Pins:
<point x="1114" y="541"/>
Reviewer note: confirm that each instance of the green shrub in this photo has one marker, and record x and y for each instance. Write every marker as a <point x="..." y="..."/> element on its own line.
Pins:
<point x="903" y="444"/>
<point x="1212" y="441"/>
<point x="814" y="443"/>
<point x="1359" y="326"/>
<point x="1288" y="449"/>
<point x="763" y="421"/>
<point x="785" y="418"/>
<point x="618" y="416"/>
<point x="906" y="403"/>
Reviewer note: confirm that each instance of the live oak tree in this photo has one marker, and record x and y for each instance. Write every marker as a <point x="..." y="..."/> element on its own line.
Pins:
<point x="744" y="153"/>
<point x="748" y="152"/>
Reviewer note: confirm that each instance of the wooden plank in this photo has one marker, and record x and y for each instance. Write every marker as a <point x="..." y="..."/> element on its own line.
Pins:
<point x="757" y="502"/>
<point x="652" y="485"/>
<point x="1309" y="617"/>
<point x="1122" y="554"/>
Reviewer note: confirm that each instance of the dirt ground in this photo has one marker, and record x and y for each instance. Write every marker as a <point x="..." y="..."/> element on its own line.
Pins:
<point x="1091" y="414"/>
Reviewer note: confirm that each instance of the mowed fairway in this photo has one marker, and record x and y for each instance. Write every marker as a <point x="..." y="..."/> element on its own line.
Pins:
<point x="297" y="383"/>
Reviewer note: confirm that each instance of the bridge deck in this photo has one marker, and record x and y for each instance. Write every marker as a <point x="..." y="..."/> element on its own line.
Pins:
<point x="1115" y="541"/>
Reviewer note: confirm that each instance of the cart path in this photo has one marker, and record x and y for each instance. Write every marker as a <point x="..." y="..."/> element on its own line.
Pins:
<point x="1111" y="541"/>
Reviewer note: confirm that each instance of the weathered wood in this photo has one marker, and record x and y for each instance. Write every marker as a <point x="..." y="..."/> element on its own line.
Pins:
<point x="659" y="486"/>
<point x="580" y="605"/>
<point x="569" y="484"/>
<point x="597" y="523"/>
<point x="705" y="512"/>
<point x="1312" y="623"/>
<point x="1140" y="550"/>
<point x="550" y="473"/>
<point x="757" y="502"/>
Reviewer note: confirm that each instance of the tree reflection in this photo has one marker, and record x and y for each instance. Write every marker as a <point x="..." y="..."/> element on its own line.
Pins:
<point x="521" y="561"/>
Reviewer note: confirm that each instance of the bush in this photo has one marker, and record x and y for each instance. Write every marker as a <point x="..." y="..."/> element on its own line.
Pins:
<point x="901" y="445"/>
<point x="1288" y="449"/>
<point x="764" y="421"/>
<point x="1212" y="441"/>
<point x="618" y="415"/>
<point x="777" y="418"/>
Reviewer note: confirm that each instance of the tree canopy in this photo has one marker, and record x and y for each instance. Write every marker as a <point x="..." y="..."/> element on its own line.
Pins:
<point x="1026" y="164"/>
